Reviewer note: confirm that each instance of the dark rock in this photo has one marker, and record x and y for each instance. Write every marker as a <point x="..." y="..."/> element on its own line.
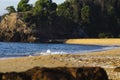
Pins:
<point x="11" y="76"/>
<point x="59" y="73"/>
<point x="1" y="76"/>
<point x="117" y="69"/>
<point x="52" y="74"/>
<point x="91" y="73"/>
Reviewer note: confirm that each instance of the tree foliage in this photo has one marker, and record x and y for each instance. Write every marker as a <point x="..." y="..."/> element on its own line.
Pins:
<point x="85" y="14"/>
<point x="98" y="18"/>
<point x="65" y="10"/>
<point x="24" y="6"/>
<point x="10" y="9"/>
<point x="44" y="7"/>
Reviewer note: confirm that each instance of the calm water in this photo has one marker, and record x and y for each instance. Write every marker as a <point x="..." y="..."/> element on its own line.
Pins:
<point x="8" y="49"/>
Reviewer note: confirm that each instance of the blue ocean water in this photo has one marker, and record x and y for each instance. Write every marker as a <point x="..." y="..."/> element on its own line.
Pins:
<point x="9" y="49"/>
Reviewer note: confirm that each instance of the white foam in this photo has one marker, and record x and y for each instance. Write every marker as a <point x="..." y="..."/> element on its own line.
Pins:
<point x="49" y="52"/>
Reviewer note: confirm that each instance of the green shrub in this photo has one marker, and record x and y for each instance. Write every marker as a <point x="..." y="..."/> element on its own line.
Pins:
<point x="105" y="35"/>
<point x="109" y="35"/>
<point x="101" y="35"/>
<point x="119" y="36"/>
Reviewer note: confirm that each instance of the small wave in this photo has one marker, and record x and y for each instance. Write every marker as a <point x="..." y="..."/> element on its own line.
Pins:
<point x="49" y="52"/>
<point x="48" y="49"/>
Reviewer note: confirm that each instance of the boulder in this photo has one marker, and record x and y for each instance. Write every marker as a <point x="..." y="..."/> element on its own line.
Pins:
<point x="91" y="73"/>
<point x="59" y="73"/>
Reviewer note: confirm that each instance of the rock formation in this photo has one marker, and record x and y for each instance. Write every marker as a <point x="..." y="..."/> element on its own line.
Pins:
<point x="14" y="27"/>
<point x="60" y="73"/>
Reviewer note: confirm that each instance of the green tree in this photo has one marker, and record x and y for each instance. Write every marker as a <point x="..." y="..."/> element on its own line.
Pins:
<point x="24" y="6"/>
<point x="77" y="6"/>
<point x="43" y="7"/>
<point x="45" y="11"/>
<point x="10" y="9"/>
<point x="65" y="10"/>
<point x="71" y="9"/>
<point x="85" y="14"/>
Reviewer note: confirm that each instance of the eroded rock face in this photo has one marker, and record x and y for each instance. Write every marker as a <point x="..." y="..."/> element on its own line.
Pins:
<point x="13" y="28"/>
<point x="61" y="73"/>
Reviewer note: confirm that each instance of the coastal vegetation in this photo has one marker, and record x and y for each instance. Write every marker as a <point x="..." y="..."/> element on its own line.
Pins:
<point x="71" y="19"/>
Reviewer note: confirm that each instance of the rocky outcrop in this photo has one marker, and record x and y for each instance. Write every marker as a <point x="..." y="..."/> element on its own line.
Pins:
<point x="14" y="27"/>
<point x="60" y="73"/>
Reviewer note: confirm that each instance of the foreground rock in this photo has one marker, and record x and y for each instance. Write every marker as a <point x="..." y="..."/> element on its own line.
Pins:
<point x="60" y="73"/>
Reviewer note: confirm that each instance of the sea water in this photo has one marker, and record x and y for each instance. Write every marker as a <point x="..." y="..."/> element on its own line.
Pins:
<point x="10" y="49"/>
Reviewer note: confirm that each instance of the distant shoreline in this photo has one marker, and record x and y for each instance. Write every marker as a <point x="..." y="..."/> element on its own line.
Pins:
<point x="82" y="41"/>
<point x="95" y="41"/>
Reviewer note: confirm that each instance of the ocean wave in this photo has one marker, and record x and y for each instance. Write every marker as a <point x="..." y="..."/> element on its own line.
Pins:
<point x="49" y="52"/>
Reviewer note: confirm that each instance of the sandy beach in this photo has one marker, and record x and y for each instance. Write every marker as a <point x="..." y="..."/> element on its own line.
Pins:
<point x="109" y="60"/>
<point x="107" y="41"/>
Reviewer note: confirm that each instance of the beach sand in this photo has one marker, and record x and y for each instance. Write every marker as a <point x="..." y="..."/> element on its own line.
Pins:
<point x="107" y="41"/>
<point x="109" y="60"/>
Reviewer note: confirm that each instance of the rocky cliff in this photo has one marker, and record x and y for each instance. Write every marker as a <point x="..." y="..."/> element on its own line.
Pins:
<point x="14" y="28"/>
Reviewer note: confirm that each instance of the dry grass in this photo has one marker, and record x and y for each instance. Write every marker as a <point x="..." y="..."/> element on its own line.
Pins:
<point x="109" y="41"/>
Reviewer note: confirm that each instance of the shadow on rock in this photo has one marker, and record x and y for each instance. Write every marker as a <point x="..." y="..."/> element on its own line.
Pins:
<point x="59" y="73"/>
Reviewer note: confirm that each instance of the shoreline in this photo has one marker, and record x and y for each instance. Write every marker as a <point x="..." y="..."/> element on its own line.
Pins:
<point x="59" y="60"/>
<point x="108" y="60"/>
<point x="106" y="48"/>
<point x="95" y="41"/>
